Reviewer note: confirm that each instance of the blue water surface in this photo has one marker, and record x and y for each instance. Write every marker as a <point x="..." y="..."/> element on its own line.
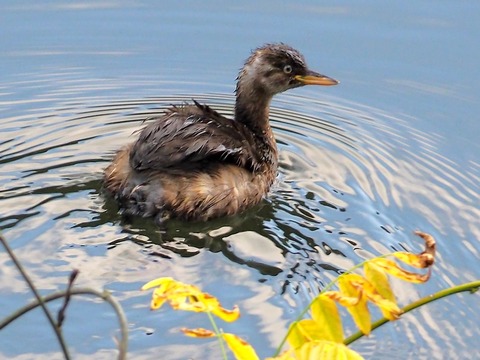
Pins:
<point x="390" y="150"/>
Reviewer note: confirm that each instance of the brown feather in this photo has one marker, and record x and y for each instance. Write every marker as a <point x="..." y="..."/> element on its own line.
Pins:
<point x="195" y="164"/>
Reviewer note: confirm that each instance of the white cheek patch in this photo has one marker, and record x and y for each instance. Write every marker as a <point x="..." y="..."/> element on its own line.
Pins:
<point x="259" y="66"/>
<point x="257" y="63"/>
<point x="255" y="70"/>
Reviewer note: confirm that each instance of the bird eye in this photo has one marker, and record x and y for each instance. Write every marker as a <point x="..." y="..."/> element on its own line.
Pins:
<point x="287" y="69"/>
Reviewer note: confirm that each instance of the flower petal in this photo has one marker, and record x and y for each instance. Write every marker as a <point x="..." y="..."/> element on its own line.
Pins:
<point x="359" y="312"/>
<point x="157" y="282"/>
<point x="393" y="269"/>
<point x="240" y="348"/>
<point x="198" y="333"/>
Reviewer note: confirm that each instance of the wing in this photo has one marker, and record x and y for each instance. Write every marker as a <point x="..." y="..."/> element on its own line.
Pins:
<point x="189" y="137"/>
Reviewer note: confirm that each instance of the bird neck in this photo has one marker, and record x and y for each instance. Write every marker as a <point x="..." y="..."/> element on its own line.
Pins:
<point x="252" y="108"/>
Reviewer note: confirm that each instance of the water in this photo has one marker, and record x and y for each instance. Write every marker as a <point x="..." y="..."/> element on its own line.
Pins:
<point x="392" y="149"/>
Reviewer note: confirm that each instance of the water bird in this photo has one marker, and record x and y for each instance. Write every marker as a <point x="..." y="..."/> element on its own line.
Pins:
<point x="193" y="163"/>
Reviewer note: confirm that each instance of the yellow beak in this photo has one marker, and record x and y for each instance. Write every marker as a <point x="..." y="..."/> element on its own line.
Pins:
<point x="313" y="78"/>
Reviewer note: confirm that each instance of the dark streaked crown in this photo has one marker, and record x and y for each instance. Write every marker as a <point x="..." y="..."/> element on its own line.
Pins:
<point x="271" y="69"/>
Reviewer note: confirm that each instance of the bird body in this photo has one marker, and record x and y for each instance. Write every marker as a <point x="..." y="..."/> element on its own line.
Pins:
<point x="195" y="164"/>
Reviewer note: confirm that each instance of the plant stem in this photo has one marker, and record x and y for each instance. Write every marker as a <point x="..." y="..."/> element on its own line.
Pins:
<point x="471" y="287"/>
<point x="105" y="295"/>
<point x="219" y="335"/>
<point x="63" y="309"/>
<point x="56" y="328"/>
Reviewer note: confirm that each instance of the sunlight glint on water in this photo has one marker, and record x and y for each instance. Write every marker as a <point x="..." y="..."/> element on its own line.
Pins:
<point x="347" y="174"/>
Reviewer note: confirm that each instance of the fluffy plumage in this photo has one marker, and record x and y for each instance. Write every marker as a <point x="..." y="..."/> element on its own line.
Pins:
<point x="193" y="163"/>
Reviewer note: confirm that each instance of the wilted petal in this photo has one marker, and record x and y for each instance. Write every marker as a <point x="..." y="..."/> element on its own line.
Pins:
<point x="389" y="308"/>
<point x="158" y="282"/>
<point x="423" y="260"/>
<point x="180" y="296"/>
<point x="359" y="312"/>
<point x="198" y="333"/>
<point x="342" y="299"/>
<point x="239" y="347"/>
<point x="161" y="294"/>
<point x="377" y="277"/>
<point x="190" y="298"/>
<point x="211" y="303"/>
<point x="227" y="315"/>
<point x="393" y="269"/>
<point x="178" y="304"/>
<point x="420" y="261"/>
<point x="157" y="301"/>
<point x="430" y="245"/>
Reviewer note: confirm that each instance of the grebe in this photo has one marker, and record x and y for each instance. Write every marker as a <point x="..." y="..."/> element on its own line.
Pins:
<point x="193" y="163"/>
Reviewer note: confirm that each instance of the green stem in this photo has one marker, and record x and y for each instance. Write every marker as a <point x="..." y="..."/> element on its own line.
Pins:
<point x="56" y="328"/>
<point x="219" y="335"/>
<point x="105" y="295"/>
<point x="471" y="287"/>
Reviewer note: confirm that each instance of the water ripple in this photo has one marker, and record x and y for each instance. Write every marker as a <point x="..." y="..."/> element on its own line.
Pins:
<point x="353" y="182"/>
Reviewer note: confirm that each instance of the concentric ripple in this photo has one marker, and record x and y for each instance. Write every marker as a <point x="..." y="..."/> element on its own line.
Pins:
<point x="353" y="182"/>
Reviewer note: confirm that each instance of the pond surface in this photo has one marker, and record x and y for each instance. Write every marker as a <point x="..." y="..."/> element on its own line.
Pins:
<point x="392" y="149"/>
